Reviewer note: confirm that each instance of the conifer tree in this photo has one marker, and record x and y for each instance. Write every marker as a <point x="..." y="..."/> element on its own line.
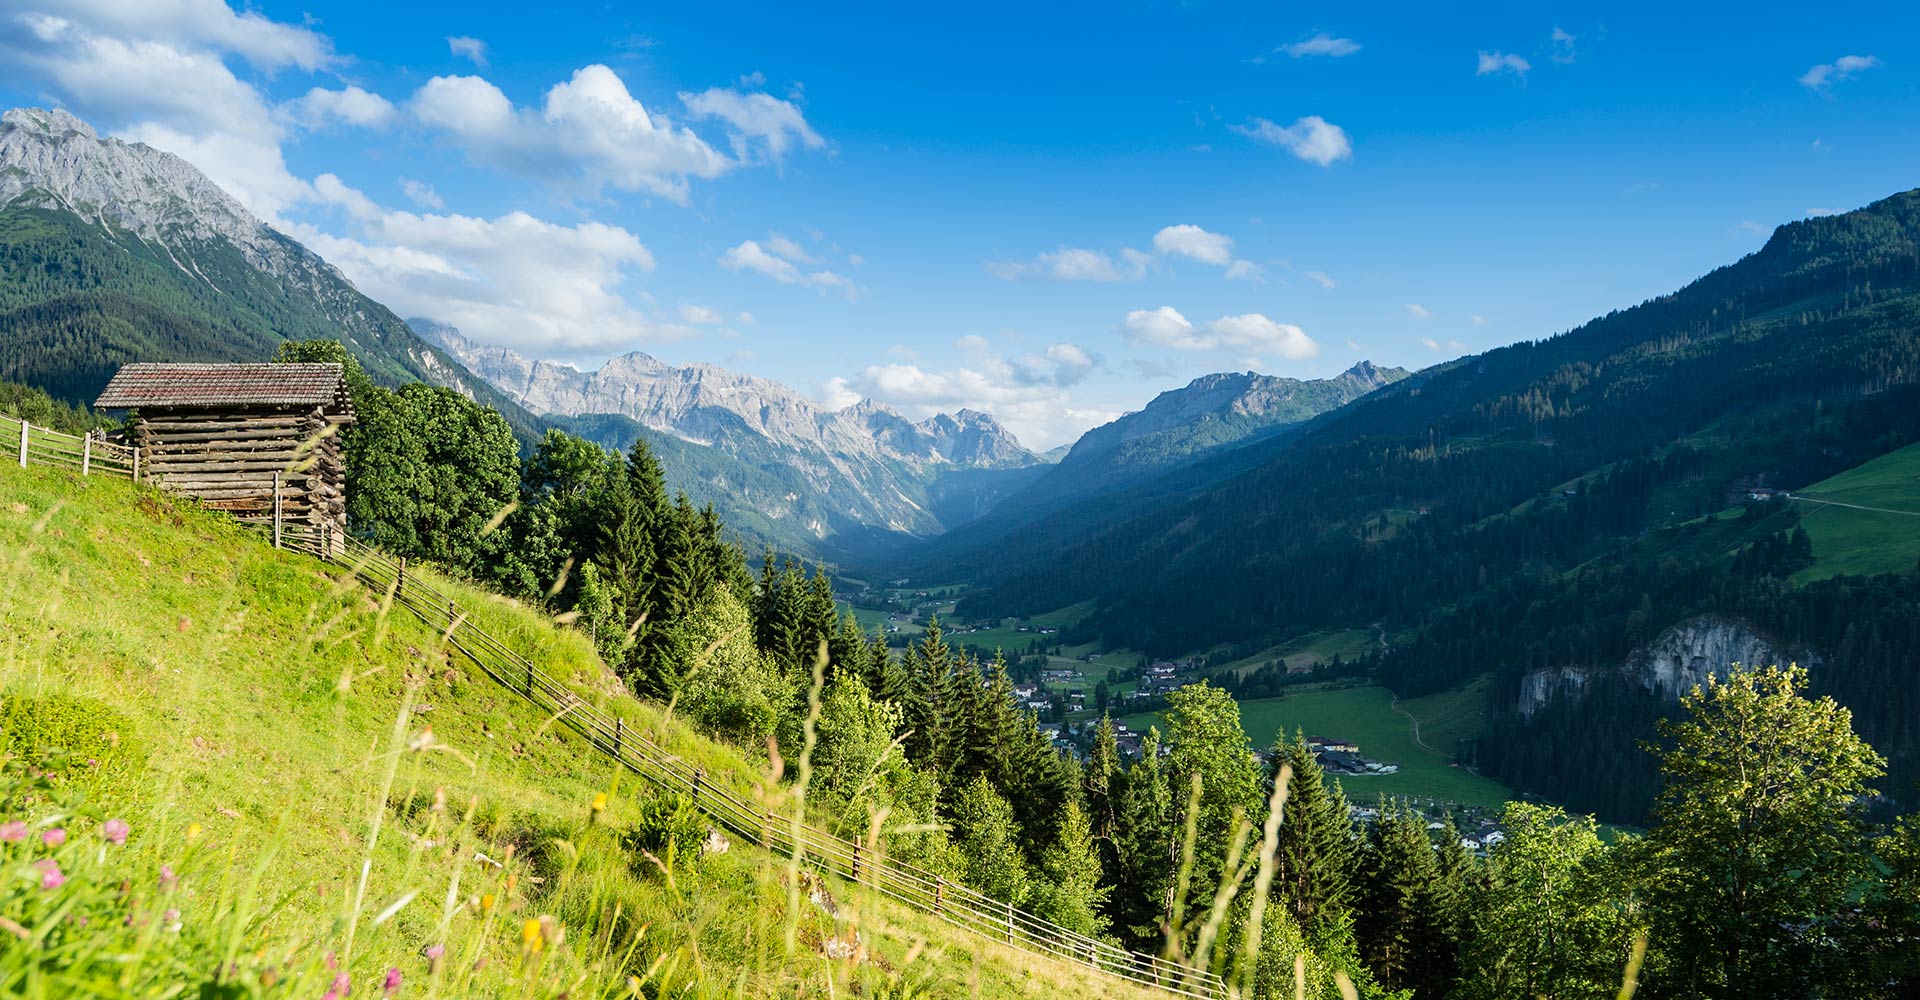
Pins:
<point x="983" y="830"/>
<point x="1143" y="845"/>
<point x="1068" y="889"/>
<point x="1316" y="857"/>
<point x="1403" y="926"/>
<point x="1102" y="777"/>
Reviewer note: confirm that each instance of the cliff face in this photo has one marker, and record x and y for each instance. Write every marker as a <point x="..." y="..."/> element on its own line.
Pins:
<point x="1672" y="664"/>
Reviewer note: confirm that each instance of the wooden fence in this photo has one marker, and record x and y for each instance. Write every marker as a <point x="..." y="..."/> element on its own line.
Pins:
<point x="950" y="901"/>
<point x="85" y="454"/>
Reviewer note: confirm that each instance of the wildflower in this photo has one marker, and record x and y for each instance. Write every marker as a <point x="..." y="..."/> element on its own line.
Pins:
<point x="599" y="802"/>
<point x="392" y="981"/>
<point x="54" y="837"/>
<point x="50" y="875"/>
<point x="551" y="930"/>
<point x="340" y="988"/>
<point x="486" y="902"/>
<point x="115" y="830"/>
<point x="13" y="832"/>
<point x="531" y="938"/>
<point x="333" y="961"/>
<point x="167" y="877"/>
<point x="193" y="832"/>
<point x="434" y="953"/>
<point x="171" y="920"/>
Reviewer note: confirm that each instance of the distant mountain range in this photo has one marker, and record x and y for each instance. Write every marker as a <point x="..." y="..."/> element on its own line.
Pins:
<point x="773" y="460"/>
<point x="113" y="252"/>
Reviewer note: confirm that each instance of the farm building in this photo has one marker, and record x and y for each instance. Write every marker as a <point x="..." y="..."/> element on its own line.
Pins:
<point x="256" y="440"/>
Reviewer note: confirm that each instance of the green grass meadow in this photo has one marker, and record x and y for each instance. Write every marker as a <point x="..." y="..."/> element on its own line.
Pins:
<point x="335" y="795"/>
<point x="1365" y="715"/>
<point x="1865" y="542"/>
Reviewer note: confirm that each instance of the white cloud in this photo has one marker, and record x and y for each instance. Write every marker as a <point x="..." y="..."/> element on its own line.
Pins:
<point x="1028" y="394"/>
<point x="1433" y="345"/>
<point x="1321" y="44"/>
<point x="1244" y="270"/>
<point x="1562" y="42"/>
<point x="1750" y="226"/>
<point x="1825" y="75"/>
<point x="421" y="193"/>
<point x="1312" y="138"/>
<point x="1194" y="242"/>
<point x="209" y="25"/>
<point x="789" y="249"/>
<point x="1075" y="264"/>
<point x="471" y="49"/>
<point x="755" y="117"/>
<point x="589" y="134"/>
<point x="1494" y="63"/>
<point x="1478" y="320"/>
<point x="751" y="256"/>
<point x="701" y="316"/>
<point x="1418" y="311"/>
<point x="1816" y="213"/>
<point x="1322" y="279"/>
<point x="321" y="108"/>
<point x="539" y="287"/>
<point x="1166" y="327"/>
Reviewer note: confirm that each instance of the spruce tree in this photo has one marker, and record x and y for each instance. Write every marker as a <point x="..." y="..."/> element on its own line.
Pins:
<point x="1102" y="776"/>
<point x="1142" y="879"/>
<point x="1316" y="857"/>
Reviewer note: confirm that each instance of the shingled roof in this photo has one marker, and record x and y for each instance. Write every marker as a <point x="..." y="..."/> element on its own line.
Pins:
<point x="154" y="385"/>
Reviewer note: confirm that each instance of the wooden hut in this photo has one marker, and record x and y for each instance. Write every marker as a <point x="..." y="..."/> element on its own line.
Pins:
<point x="259" y="441"/>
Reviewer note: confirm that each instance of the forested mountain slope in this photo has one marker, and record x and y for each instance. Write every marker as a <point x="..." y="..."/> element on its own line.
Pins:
<point x="113" y="252"/>
<point x="1180" y="443"/>
<point x="1502" y="472"/>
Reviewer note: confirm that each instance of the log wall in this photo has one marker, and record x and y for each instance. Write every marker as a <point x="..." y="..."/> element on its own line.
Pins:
<point x="228" y="458"/>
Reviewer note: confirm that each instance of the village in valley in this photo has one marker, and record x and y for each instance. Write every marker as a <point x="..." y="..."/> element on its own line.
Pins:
<point x="1069" y="688"/>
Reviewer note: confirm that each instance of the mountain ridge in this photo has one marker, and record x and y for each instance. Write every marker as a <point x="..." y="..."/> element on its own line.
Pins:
<point x="154" y="261"/>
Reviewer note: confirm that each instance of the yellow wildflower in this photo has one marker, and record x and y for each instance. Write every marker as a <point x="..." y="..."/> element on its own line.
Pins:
<point x="530" y="936"/>
<point x="600" y="802"/>
<point x="486" y="902"/>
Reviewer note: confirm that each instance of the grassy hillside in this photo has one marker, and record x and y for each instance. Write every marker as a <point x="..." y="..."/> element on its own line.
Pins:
<point x="325" y="783"/>
<point x="1850" y="539"/>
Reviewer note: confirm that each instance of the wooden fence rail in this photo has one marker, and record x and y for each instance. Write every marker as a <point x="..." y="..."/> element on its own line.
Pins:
<point x="952" y="902"/>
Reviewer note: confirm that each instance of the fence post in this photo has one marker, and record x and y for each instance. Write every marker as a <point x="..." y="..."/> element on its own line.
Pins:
<point x="854" y="874"/>
<point x="1009" y="923"/>
<point x="618" y="726"/>
<point x="529" y="678"/>
<point x="326" y="541"/>
<point x="939" y="891"/>
<point x="276" y="508"/>
<point x="136" y="463"/>
<point x="400" y="580"/>
<point x="86" y="453"/>
<point x="23" y="443"/>
<point x="699" y="774"/>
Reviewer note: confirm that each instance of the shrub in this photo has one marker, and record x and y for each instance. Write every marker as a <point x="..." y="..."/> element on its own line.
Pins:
<point x="669" y="828"/>
<point x="69" y="736"/>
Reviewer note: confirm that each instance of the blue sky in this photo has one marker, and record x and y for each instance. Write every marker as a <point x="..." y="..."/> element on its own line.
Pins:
<point x="1048" y="212"/>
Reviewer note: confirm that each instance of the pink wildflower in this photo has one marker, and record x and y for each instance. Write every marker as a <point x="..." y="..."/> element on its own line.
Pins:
<point x="167" y="877"/>
<point x="434" y="951"/>
<point x="115" y="830"/>
<point x="54" y="837"/>
<point x="13" y="832"/>
<point x="392" y="981"/>
<point x="50" y="874"/>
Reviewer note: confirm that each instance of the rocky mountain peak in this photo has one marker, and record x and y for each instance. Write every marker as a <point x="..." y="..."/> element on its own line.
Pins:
<point x="51" y="159"/>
